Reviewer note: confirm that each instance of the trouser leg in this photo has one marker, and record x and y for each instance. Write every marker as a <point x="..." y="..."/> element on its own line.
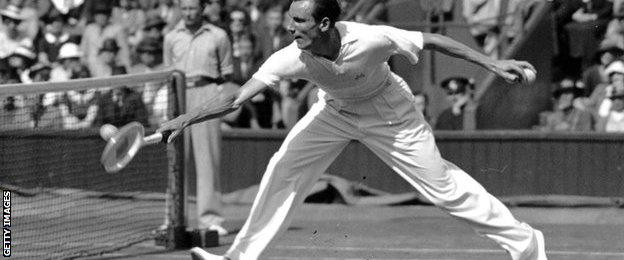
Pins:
<point x="397" y="133"/>
<point x="412" y="153"/>
<point x="310" y="147"/>
<point x="206" y="148"/>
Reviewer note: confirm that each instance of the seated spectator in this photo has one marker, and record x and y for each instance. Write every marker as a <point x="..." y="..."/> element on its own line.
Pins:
<point x="565" y="116"/>
<point x="106" y="60"/>
<point x="154" y="94"/>
<point x="77" y="13"/>
<point x="79" y="108"/>
<point x="132" y="18"/>
<point x="44" y="115"/>
<point x="10" y="35"/>
<point x="153" y="28"/>
<point x="13" y="114"/>
<point x="30" y="24"/>
<point x="613" y="119"/>
<point x="96" y="33"/>
<point x="609" y="105"/>
<point x="69" y="62"/>
<point x="602" y="92"/>
<point x="53" y="36"/>
<point x="459" y="92"/>
<point x="595" y="75"/>
<point x="20" y="60"/>
<point x="149" y="52"/>
<point x="121" y="106"/>
<point x="421" y="101"/>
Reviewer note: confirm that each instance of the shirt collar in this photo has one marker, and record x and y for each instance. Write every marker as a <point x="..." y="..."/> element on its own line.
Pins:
<point x="345" y="36"/>
<point x="180" y="27"/>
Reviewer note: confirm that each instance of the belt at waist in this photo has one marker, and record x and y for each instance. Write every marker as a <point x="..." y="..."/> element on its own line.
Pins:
<point x="201" y="81"/>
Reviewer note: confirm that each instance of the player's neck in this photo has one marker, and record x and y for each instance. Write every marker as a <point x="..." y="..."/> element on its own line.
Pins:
<point x="329" y="45"/>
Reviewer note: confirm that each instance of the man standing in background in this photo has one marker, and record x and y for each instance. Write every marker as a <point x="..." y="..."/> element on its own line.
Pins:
<point x="203" y="52"/>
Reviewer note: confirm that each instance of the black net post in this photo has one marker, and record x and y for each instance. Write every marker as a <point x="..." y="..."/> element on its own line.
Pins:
<point x="177" y="236"/>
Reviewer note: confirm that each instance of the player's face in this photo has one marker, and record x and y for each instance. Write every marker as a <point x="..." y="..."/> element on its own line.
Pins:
<point x="302" y="26"/>
<point x="191" y="12"/>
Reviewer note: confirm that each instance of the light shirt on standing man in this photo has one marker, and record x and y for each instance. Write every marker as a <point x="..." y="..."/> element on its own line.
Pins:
<point x="206" y="53"/>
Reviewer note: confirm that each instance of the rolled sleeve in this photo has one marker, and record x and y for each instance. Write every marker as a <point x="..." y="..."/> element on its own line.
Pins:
<point x="405" y="43"/>
<point x="225" y="51"/>
<point x="283" y="64"/>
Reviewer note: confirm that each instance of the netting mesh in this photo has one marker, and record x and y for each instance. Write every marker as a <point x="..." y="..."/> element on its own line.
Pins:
<point x="64" y="205"/>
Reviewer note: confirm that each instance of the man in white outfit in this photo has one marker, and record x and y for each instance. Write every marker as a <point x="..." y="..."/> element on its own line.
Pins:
<point x="360" y="99"/>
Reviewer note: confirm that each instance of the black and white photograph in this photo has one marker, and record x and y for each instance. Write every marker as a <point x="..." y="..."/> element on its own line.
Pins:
<point x="312" y="129"/>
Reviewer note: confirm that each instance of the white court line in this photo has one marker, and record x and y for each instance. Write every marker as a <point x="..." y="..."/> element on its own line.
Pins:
<point x="443" y="250"/>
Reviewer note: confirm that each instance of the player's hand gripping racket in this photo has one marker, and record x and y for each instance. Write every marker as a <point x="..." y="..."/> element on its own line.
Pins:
<point x="124" y="144"/>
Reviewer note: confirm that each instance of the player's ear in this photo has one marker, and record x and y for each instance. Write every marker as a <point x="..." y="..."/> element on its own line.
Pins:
<point x="324" y="24"/>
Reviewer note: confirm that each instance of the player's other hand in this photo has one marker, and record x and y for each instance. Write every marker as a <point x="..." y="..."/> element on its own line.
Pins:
<point x="175" y="125"/>
<point x="512" y="71"/>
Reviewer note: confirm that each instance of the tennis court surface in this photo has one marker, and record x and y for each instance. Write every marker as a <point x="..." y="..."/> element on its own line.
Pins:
<point x="333" y="231"/>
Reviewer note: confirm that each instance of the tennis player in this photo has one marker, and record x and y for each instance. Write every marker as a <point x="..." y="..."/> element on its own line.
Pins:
<point x="360" y="99"/>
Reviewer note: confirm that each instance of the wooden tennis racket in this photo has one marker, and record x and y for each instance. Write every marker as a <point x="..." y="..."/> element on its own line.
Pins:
<point x="126" y="143"/>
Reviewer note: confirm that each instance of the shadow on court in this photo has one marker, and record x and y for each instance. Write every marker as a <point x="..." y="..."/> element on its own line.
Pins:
<point x="322" y="231"/>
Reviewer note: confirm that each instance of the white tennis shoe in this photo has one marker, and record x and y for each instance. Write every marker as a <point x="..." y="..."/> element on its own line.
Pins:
<point x="201" y="254"/>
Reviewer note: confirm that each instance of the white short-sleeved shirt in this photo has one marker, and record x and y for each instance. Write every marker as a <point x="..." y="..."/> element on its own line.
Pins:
<point x="361" y="67"/>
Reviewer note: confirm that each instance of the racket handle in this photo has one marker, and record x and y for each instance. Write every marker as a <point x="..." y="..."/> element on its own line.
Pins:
<point x="157" y="137"/>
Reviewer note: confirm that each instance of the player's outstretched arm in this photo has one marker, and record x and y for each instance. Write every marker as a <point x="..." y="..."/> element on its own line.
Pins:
<point x="217" y="106"/>
<point x="510" y="70"/>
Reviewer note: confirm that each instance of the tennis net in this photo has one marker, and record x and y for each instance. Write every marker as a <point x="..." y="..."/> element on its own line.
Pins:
<point x="62" y="204"/>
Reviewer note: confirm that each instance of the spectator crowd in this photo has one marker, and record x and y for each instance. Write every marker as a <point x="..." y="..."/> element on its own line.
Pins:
<point x="59" y="40"/>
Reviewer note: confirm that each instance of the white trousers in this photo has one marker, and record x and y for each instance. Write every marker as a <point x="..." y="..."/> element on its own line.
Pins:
<point x="394" y="130"/>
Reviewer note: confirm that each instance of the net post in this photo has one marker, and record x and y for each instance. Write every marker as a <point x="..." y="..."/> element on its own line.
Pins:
<point x="177" y="236"/>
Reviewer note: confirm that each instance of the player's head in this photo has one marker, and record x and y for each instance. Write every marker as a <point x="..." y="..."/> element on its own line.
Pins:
<point x="311" y="19"/>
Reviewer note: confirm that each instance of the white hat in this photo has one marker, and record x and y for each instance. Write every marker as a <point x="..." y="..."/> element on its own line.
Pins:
<point x="69" y="50"/>
<point x="615" y="67"/>
<point x="12" y="12"/>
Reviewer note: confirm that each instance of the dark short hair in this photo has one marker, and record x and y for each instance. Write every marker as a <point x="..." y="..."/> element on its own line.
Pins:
<point x="325" y="8"/>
